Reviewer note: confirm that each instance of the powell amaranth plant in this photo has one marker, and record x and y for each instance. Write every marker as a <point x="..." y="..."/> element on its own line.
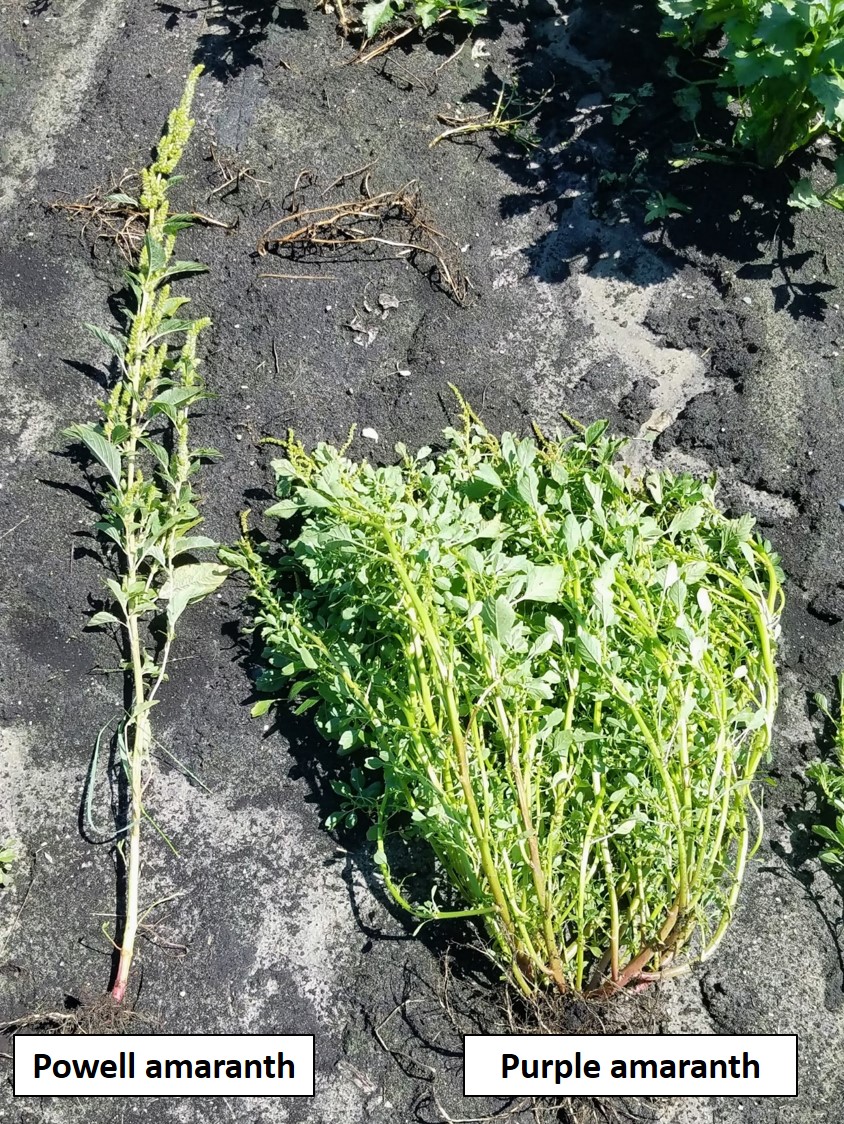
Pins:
<point x="147" y="505"/>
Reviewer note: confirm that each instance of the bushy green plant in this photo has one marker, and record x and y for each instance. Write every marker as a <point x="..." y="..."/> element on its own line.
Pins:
<point x="147" y="502"/>
<point x="829" y="777"/>
<point x="377" y="14"/>
<point x="783" y="64"/>
<point x="557" y="676"/>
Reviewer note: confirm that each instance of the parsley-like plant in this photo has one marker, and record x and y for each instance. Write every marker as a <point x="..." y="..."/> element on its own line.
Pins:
<point x="783" y="63"/>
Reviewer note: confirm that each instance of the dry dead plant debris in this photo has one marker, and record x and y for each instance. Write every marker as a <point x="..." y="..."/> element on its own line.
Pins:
<point x="392" y="221"/>
<point x="509" y="117"/>
<point x="232" y="174"/>
<point x="380" y="26"/>
<point x="115" y="215"/>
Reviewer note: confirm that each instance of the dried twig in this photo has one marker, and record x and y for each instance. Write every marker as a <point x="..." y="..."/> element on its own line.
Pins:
<point x="232" y="175"/>
<point x="344" y="23"/>
<point x="509" y="117"/>
<point x="116" y="215"/>
<point x="391" y="219"/>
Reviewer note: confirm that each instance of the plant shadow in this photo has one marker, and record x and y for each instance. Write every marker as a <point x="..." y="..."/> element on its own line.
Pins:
<point x="615" y="147"/>
<point x="234" y="31"/>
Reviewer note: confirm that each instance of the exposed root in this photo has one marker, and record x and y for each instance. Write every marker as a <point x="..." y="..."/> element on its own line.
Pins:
<point x="101" y="1016"/>
<point x="391" y="221"/>
<point x="115" y="215"/>
<point x="232" y="175"/>
<point x="426" y="1004"/>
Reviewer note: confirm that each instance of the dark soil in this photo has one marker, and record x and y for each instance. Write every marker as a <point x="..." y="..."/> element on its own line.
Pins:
<point x="713" y="340"/>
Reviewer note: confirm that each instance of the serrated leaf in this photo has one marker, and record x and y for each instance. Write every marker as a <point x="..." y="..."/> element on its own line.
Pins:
<point x="376" y="14"/>
<point x="829" y="90"/>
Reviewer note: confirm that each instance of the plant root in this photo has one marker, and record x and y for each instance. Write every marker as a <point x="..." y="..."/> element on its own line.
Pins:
<point x="100" y="1016"/>
<point x="114" y="216"/>
<point x="390" y="220"/>
<point x="232" y="174"/>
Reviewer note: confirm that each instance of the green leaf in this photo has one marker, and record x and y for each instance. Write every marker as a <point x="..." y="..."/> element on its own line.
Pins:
<point x="589" y="646"/>
<point x="101" y="618"/>
<point x="194" y="542"/>
<point x="829" y="90"/>
<point x="113" y="343"/>
<point x="594" y="432"/>
<point x="178" y="222"/>
<point x="687" y="520"/>
<point x="571" y="533"/>
<point x="155" y="254"/>
<point x="100" y="448"/>
<point x="376" y="14"/>
<point x="804" y="196"/>
<point x="191" y="583"/>
<point x="170" y="401"/>
<point x="261" y="707"/>
<point x="428" y="12"/>
<point x="284" y="509"/>
<point x="169" y="326"/>
<point x="178" y="267"/>
<point x="121" y="198"/>
<point x="499" y="617"/>
<point x="109" y="530"/>
<point x="543" y="583"/>
<point x="688" y="101"/>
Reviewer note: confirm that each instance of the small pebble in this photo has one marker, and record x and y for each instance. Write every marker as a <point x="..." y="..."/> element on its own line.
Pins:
<point x="369" y="433"/>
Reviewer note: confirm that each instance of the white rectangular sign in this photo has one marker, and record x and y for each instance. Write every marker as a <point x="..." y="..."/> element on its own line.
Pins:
<point x="615" y="1065"/>
<point x="165" y="1065"/>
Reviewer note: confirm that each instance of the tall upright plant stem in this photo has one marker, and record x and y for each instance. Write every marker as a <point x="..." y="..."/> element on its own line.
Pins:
<point x="148" y="506"/>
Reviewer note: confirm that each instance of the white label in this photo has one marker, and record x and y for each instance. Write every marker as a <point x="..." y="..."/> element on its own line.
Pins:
<point x="166" y="1065"/>
<point x="615" y="1065"/>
